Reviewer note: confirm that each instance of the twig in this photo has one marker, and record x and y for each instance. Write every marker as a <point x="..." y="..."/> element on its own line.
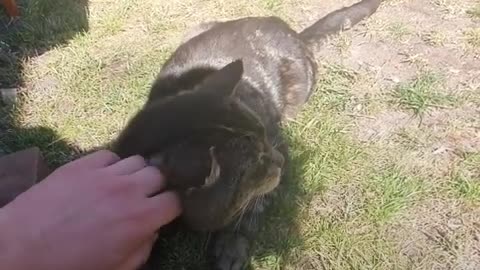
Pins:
<point x="361" y="115"/>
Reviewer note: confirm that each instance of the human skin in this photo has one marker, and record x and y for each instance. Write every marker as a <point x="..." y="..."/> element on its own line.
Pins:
<point x="95" y="213"/>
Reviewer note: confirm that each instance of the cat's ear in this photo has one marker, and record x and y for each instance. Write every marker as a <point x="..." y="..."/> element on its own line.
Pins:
<point x="223" y="81"/>
<point x="214" y="169"/>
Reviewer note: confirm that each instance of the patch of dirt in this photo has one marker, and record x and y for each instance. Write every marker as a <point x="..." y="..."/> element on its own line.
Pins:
<point x="439" y="234"/>
<point x="339" y="203"/>
<point x="457" y="130"/>
<point x="372" y="43"/>
<point x="428" y="147"/>
<point x="381" y="127"/>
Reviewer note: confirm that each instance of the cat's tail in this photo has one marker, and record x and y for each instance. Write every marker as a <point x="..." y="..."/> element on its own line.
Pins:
<point x="339" y="20"/>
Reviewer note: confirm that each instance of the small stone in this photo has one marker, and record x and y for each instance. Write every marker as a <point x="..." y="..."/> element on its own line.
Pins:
<point x="454" y="71"/>
<point x="454" y="223"/>
<point x="19" y="171"/>
<point x="358" y="107"/>
<point x="441" y="150"/>
<point x="9" y="96"/>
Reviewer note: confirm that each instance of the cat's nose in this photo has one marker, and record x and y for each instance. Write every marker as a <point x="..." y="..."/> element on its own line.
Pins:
<point x="278" y="158"/>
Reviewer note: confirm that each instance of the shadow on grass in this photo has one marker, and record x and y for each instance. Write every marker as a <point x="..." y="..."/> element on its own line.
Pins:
<point x="42" y="25"/>
<point x="279" y="234"/>
<point x="14" y="137"/>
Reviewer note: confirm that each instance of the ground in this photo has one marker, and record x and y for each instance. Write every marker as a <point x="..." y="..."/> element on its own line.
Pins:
<point x="385" y="169"/>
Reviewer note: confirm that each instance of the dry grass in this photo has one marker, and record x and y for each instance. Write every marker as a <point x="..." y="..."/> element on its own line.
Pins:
<point x="473" y="37"/>
<point x="434" y="38"/>
<point x="371" y="186"/>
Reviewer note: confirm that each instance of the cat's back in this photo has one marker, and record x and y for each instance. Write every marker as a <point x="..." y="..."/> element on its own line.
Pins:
<point x="274" y="57"/>
<point x="247" y="38"/>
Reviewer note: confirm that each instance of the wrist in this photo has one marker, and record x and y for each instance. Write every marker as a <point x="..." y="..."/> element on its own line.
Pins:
<point x="10" y="251"/>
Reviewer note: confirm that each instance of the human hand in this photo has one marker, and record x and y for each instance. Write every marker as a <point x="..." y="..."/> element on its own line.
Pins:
<point x="95" y="213"/>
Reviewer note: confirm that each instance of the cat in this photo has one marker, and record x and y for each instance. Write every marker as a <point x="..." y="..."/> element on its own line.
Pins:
<point x="212" y="120"/>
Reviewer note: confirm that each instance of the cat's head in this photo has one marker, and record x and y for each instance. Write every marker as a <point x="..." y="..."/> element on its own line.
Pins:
<point x="213" y="149"/>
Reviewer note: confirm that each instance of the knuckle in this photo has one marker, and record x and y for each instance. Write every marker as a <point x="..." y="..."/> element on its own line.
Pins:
<point x="137" y="159"/>
<point x="152" y="172"/>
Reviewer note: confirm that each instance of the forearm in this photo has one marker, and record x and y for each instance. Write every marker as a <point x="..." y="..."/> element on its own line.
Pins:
<point x="10" y="252"/>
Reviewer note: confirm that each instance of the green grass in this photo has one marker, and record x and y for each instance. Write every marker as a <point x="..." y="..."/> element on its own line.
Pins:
<point x="47" y="23"/>
<point x="465" y="180"/>
<point x="421" y="94"/>
<point x="343" y="200"/>
<point x="392" y="192"/>
<point x="335" y="85"/>
<point x="398" y="31"/>
<point x="44" y="24"/>
<point x="273" y="5"/>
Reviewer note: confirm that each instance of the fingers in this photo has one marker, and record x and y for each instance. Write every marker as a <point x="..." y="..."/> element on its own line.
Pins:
<point x="127" y="166"/>
<point x="140" y="256"/>
<point x="97" y="159"/>
<point x="164" y="208"/>
<point x="149" y="180"/>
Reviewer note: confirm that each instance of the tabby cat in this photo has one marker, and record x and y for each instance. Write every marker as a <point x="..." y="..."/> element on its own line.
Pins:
<point x="213" y="117"/>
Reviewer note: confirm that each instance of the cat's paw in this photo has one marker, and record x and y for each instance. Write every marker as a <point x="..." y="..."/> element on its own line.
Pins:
<point x="231" y="252"/>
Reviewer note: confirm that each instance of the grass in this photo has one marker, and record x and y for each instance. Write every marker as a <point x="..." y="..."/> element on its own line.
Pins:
<point x="466" y="178"/>
<point x="398" y="31"/>
<point x="474" y="11"/>
<point x="451" y="7"/>
<point x="343" y="43"/>
<point x="347" y="204"/>
<point x="45" y="24"/>
<point x="473" y="37"/>
<point x="434" y="38"/>
<point x="335" y="85"/>
<point x="273" y="5"/>
<point x="421" y="94"/>
<point x="392" y="192"/>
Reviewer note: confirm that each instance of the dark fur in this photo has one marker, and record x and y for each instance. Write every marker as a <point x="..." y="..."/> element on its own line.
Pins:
<point x="213" y="117"/>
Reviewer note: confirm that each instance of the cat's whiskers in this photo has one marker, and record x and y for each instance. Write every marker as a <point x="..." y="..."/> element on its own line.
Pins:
<point x="209" y="236"/>
<point x="276" y="142"/>
<point x="242" y="213"/>
<point x="253" y="218"/>
<point x="239" y="221"/>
